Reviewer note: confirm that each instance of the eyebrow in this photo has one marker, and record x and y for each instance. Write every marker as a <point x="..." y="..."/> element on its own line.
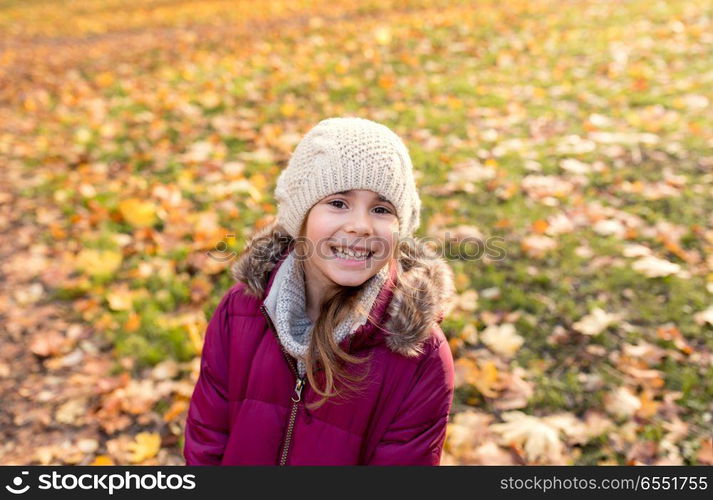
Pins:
<point x="381" y="198"/>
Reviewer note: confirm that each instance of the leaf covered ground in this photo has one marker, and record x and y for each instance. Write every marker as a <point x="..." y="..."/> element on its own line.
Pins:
<point x="576" y="136"/>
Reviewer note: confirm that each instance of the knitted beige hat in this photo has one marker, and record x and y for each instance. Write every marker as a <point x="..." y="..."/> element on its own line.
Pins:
<point x="343" y="153"/>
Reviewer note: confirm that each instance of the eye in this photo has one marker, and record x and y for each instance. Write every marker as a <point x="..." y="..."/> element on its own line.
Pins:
<point x="335" y="201"/>
<point x="386" y="210"/>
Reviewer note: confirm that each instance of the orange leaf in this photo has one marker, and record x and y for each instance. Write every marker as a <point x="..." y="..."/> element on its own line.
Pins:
<point x="175" y="410"/>
<point x="540" y="226"/>
<point x="105" y="79"/>
<point x="674" y="334"/>
<point x="103" y="460"/>
<point x="705" y="453"/>
<point x="133" y="322"/>
<point x="386" y="81"/>
<point x="484" y="378"/>
<point x="648" y="407"/>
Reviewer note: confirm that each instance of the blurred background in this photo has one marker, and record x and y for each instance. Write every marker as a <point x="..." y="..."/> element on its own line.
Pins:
<point x="139" y="138"/>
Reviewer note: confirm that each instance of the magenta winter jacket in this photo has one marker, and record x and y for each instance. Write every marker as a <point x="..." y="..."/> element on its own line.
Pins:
<point x="245" y="410"/>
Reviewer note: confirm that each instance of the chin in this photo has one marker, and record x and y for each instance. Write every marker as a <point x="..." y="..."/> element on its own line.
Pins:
<point x="350" y="278"/>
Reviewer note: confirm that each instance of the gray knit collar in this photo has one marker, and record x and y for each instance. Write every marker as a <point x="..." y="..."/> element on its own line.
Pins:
<point x="286" y="306"/>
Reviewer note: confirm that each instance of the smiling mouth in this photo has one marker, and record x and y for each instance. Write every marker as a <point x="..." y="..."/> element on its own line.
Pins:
<point x="345" y="255"/>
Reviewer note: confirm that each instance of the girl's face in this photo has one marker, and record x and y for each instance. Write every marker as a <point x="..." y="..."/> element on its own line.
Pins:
<point x="359" y="220"/>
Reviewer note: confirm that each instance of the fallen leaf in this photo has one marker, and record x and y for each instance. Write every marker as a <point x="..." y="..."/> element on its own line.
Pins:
<point x="502" y="339"/>
<point x="621" y="403"/>
<point x="610" y="227"/>
<point x="705" y="316"/>
<point x="517" y="391"/>
<point x="573" y="428"/>
<point x="72" y="412"/>
<point x="469" y="429"/>
<point x="705" y="452"/>
<point x="676" y="430"/>
<point x="145" y="446"/>
<point x="120" y="298"/>
<point x="672" y="333"/>
<point x="595" y="322"/>
<point x="484" y="378"/>
<point x="466" y="301"/>
<point x="539" y="440"/>
<point x="98" y="262"/>
<point x="596" y="423"/>
<point x="102" y="460"/>
<point x="538" y="245"/>
<point x="49" y="343"/>
<point x="88" y="445"/>
<point x="636" y="250"/>
<point x="648" y="407"/>
<point x="176" y="409"/>
<point x="138" y="213"/>
<point x="491" y="454"/>
<point x="642" y="453"/>
<point x="653" y="267"/>
<point x="647" y="352"/>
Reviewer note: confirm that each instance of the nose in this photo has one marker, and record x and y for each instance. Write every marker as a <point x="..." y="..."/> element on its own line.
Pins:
<point x="359" y="223"/>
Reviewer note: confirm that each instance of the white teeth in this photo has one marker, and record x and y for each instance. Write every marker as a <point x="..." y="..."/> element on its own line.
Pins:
<point x="345" y="253"/>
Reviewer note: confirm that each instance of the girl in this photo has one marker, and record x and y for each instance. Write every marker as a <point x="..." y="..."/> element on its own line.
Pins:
<point x="328" y="350"/>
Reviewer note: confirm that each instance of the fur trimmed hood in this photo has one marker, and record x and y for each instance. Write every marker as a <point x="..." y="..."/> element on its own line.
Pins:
<point x="420" y="300"/>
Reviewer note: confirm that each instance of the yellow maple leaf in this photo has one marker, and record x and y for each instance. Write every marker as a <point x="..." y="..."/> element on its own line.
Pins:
<point x="487" y="380"/>
<point x="288" y="109"/>
<point x="383" y="35"/>
<point x="484" y="378"/>
<point x="105" y="79"/>
<point x="146" y="446"/>
<point x="195" y="336"/>
<point x="138" y="213"/>
<point x="120" y="299"/>
<point x="98" y="262"/>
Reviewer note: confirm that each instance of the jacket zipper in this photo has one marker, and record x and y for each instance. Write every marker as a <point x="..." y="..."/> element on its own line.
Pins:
<point x="299" y="386"/>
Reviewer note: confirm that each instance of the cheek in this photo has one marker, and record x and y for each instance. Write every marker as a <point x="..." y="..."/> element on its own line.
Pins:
<point x="315" y="232"/>
<point x="385" y="250"/>
<point x="320" y="225"/>
<point x="319" y="251"/>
